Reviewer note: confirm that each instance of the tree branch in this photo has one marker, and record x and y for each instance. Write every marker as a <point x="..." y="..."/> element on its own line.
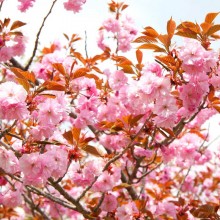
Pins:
<point x="38" y="35"/>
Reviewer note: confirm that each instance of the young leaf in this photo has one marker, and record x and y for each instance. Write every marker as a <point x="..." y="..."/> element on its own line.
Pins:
<point x="68" y="136"/>
<point x="213" y="29"/>
<point x="139" y="56"/>
<point x="149" y="31"/>
<point x="17" y="24"/>
<point x="205" y="27"/>
<point x="92" y="150"/>
<point x="23" y="74"/>
<point x="121" y="186"/>
<point x="54" y="86"/>
<point x="76" y="133"/>
<point x="152" y="47"/>
<point x="171" y="26"/>
<point x="60" y="68"/>
<point x="24" y="83"/>
<point x="210" y="17"/>
<point x="145" y="39"/>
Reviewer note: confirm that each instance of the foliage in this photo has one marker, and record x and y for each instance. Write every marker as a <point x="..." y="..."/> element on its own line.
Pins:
<point x="128" y="142"/>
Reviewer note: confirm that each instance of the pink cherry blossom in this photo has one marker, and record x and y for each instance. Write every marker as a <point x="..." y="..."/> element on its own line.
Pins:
<point x="50" y="112"/>
<point x="74" y="5"/>
<point x="124" y="212"/>
<point x="109" y="203"/>
<point x="12" y="101"/>
<point x="8" y="161"/>
<point x="25" y="4"/>
<point x="112" y="25"/>
<point x="11" y="197"/>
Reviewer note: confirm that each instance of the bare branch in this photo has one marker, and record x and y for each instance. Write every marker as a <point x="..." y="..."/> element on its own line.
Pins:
<point x="35" y="207"/>
<point x="38" y="35"/>
<point x="15" y="63"/>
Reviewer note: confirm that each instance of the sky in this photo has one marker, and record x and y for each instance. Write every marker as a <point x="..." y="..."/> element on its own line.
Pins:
<point x="153" y="13"/>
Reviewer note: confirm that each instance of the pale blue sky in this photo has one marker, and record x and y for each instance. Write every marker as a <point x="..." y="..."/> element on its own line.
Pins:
<point x="153" y="13"/>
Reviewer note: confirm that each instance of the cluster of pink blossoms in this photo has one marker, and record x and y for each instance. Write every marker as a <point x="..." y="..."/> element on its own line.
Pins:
<point x="122" y="29"/>
<point x="12" y="101"/>
<point x="79" y="141"/>
<point x="70" y="5"/>
<point x="11" y="46"/>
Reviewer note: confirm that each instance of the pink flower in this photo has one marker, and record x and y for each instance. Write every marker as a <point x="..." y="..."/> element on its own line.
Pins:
<point x="117" y="79"/>
<point x="6" y="53"/>
<point x="32" y="168"/>
<point x="8" y="161"/>
<point x="141" y="152"/>
<point x="13" y="110"/>
<point x="25" y="4"/>
<point x="124" y="212"/>
<point x="13" y="92"/>
<point x="114" y="142"/>
<point x="11" y="197"/>
<point x="12" y="101"/>
<point x="74" y="5"/>
<point x="112" y="25"/>
<point x="191" y="94"/>
<point x="168" y="153"/>
<point x="42" y="131"/>
<point x="152" y="68"/>
<point x="50" y="112"/>
<point x="109" y="203"/>
<point x="195" y="58"/>
<point x="19" y="47"/>
<point x="166" y="106"/>
<point x="104" y="183"/>
<point x="167" y="208"/>
<point x="57" y="158"/>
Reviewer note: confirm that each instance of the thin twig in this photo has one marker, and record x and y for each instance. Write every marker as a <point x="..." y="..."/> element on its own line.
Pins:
<point x="130" y="189"/>
<point x="183" y="181"/>
<point x="15" y="63"/>
<point x="100" y="203"/>
<point x="38" y="35"/>
<point x="1" y="4"/>
<point x="86" y="51"/>
<point x="35" y="207"/>
<point x="68" y="197"/>
<point x="125" y="149"/>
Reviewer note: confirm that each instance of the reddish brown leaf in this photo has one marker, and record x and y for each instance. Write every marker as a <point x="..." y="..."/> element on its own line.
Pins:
<point x="152" y="47"/>
<point x="80" y="73"/>
<point x="54" y="86"/>
<point x="24" y="83"/>
<point x="135" y="119"/>
<point x="139" y="56"/>
<point x="92" y="150"/>
<point x="23" y="74"/>
<point x="149" y="31"/>
<point x="76" y="133"/>
<point x="171" y="26"/>
<point x="210" y="17"/>
<point x="17" y="24"/>
<point x="145" y="39"/>
<point x="165" y="40"/>
<point x="68" y="136"/>
<point x="6" y="22"/>
<point x="127" y="68"/>
<point x="186" y="34"/>
<point x="213" y="29"/>
<point x="205" y="27"/>
<point x="60" y="68"/>
<point x="121" y="186"/>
